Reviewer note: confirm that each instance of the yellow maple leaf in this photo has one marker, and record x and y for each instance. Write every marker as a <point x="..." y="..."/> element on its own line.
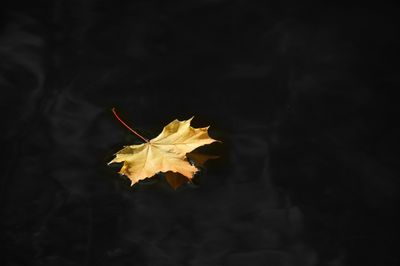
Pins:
<point x="164" y="153"/>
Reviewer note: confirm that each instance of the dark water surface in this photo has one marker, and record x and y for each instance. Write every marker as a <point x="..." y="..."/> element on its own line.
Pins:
<point x="298" y="93"/>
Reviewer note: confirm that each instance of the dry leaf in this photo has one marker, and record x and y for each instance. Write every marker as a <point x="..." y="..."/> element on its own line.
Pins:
<point x="167" y="152"/>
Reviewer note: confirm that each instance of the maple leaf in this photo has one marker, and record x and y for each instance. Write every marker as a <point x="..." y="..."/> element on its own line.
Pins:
<point x="164" y="153"/>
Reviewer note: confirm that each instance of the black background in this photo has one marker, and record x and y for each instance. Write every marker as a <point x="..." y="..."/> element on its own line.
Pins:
<point x="298" y="93"/>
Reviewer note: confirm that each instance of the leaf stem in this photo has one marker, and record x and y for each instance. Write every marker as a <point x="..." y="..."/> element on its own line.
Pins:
<point x="128" y="127"/>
